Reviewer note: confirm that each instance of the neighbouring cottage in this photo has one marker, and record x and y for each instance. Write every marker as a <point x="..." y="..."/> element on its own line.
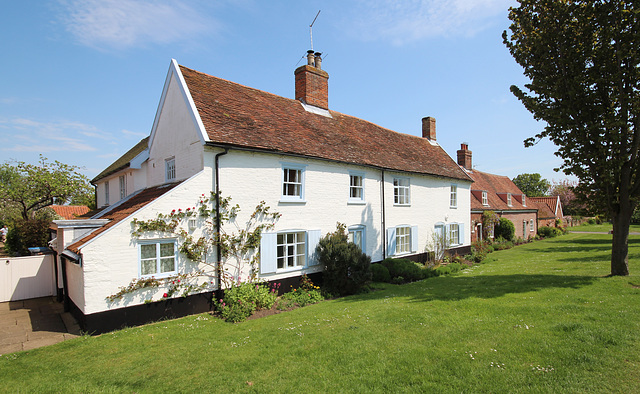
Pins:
<point x="314" y="165"/>
<point x="549" y="210"/>
<point x="499" y="194"/>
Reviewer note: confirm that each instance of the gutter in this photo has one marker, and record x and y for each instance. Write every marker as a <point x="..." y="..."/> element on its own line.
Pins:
<point x="302" y="156"/>
<point x="218" y="226"/>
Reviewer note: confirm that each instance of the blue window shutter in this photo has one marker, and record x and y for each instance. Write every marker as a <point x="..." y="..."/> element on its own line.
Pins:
<point x="447" y="235"/>
<point x="391" y="244"/>
<point x="313" y="237"/>
<point x="414" y="238"/>
<point x="461" y="233"/>
<point x="268" y="253"/>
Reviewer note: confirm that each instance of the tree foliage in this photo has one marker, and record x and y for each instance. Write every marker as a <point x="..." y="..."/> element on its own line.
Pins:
<point x="28" y="188"/>
<point x="571" y="204"/>
<point x="533" y="185"/>
<point x="582" y="58"/>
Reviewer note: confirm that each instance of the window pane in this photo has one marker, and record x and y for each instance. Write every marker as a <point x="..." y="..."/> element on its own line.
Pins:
<point x="167" y="264"/>
<point x="147" y="267"/>
<point x="148" y="251"/>
<point x="166" y="249"/>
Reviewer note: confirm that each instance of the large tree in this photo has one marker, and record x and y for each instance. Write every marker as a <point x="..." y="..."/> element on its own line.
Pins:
<point x="582" y="59"/>
<point x="28" y="188"/>
<point x="533" y="185"/>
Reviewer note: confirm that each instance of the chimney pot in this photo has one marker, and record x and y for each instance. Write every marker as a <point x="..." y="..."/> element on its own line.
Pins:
<point x="310" y="60"/>
<point x="318" y="60"/>
<point x="429" y="128"/>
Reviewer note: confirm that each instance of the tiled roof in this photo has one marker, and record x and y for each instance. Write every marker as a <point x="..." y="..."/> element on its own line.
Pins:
<point x="496" y="186"/>
<point x="238" y="116"/>
<point x="70" y="212"/>
<point x="123" y="210"/>
<point x="549" y="205"/>
<point x="123" y="161"/>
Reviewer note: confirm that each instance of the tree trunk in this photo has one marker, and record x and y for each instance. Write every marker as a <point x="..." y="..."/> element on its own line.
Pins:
<point x="620" y="242"/>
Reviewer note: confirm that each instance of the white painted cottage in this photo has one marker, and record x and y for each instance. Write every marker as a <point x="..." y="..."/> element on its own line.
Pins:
<point x="314" y="165"/>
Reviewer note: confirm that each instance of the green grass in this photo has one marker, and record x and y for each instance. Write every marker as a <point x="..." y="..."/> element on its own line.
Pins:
<point x="544" y="312"/>
<point x="604" y="227"/>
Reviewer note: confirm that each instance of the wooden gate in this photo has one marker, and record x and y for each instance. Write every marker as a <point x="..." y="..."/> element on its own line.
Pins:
<point x="22" y="278"/>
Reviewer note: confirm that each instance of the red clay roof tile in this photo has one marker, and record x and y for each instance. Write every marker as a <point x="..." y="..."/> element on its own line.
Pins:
<point x="236" y="115"/>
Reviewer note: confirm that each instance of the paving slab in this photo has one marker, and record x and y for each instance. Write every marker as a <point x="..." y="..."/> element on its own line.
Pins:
<point x="30" y="324"/>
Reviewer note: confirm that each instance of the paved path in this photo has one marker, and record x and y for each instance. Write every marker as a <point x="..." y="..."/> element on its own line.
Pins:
<point x="30" y="324"/>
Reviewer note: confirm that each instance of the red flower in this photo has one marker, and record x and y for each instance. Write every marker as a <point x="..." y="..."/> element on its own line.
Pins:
<point x="165" y="295"/>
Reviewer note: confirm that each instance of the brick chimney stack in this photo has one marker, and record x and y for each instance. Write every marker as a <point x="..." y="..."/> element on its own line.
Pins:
<point x="429" y="128"/>
<point x="464" y="156"/>
<point x="312" y="83"/>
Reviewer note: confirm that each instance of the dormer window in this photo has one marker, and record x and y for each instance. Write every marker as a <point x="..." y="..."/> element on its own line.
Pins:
<point x="485" y="198"/>
<point x="524" y="200"/>
<point x="509" y="199"/>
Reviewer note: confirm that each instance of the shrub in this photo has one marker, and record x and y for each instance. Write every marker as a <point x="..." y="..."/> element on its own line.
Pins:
<point x="300" y="297"/>
<point x="241" y="301"/>
<point x="380" y="273"/>
<point x="404" y="268"/>
<point x="443" y="270"/>
<point x="398" y="280"/>
<point x="454" y="267"/>
<point x="502" y="244"/>
<point x="549" y="232"/>
<point x="505" y="229"/>
<point x="346" y="269"/>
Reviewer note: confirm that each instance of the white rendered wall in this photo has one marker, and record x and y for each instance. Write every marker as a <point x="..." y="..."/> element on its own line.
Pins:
<point x="251" y="177"/>
<point x="175" y="136"/>
<point x="75" y="284"/>
<point x="110" y="261"/>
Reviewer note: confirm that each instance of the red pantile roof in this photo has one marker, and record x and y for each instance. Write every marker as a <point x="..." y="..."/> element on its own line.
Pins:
<point x="70" y="212"/>
<point x="496" y="186"/>
<point x="238" y="116"/>
<point x="123" y="210"/>
<point x="551" y="206"/>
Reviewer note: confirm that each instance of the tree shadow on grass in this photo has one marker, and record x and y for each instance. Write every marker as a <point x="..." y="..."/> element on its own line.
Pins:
<point x="455" y="288"/>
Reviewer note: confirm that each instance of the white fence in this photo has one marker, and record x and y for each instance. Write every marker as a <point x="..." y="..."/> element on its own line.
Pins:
<point x="22" y="278"/>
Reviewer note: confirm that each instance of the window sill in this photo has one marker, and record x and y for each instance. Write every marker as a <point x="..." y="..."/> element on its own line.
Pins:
<point x="356" y="202"/>
<point x="401" y="205"/>
<point x="161" y="276"/>
<point x="453" y="207"/>
<point x="284" y="200"/>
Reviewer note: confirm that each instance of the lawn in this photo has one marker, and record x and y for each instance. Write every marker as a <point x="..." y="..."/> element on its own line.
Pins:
<point x="604" y="227"/>
<point x="542" y="317"/>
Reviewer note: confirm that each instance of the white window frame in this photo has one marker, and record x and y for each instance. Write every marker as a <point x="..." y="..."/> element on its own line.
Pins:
<point x="401" y="191"/>
<point x="122" y="180"/>
<point x="454" y="228"/>
<point x="524" y="200"/>
<point x="531" y="225"/>
<point x="509" y="202"/>
<point x="352" y="235"/>
<point x="485" y="198"/>
<point x="158" y="258"/>
<point x="525" y="228"/>
<point x="291" y="245"/>
<point x="170" y="169"/>
<point x="453" y="196"/>
<point x="403" y="240"/>
<point x="269" y="251"/>
<point x="356" y="189"/>
<point x="106" y="193"/>
<point x="286" y="183"/>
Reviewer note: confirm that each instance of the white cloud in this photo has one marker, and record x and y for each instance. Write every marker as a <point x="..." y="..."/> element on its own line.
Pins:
<point x="121" y="24"/>
<point x="405" y="21"/>
<point x="27" y="135"/>
<point x="134" y="133"/>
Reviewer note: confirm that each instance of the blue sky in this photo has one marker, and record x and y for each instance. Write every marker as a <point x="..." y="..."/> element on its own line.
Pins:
<point x="81" y="79"/>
